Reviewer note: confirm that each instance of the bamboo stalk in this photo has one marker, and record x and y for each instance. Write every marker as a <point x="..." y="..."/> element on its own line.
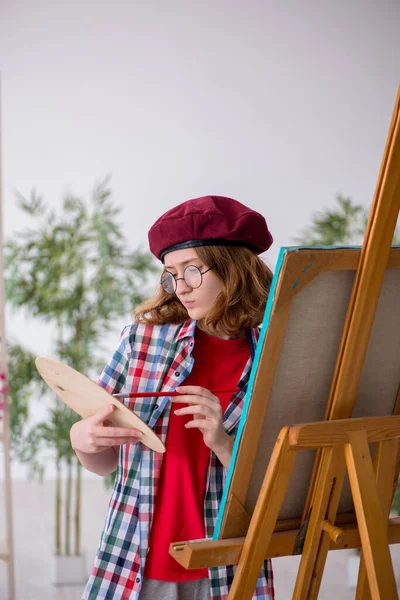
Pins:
<point x="58" y="510"/>
<point x="68" y="500"/>
<point x="78" y="494"/>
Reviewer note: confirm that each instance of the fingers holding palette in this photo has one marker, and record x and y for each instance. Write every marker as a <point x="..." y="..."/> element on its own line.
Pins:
<point x="86" y="398"/>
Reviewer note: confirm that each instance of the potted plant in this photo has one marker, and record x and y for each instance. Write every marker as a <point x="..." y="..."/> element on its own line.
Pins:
<point x="74" y="271"/>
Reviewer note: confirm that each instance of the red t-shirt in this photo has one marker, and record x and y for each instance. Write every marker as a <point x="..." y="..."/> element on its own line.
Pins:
<point x="179" y="506"/>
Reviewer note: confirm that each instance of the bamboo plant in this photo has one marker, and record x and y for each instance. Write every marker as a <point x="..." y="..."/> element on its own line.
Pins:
<point x="74" y="271"/>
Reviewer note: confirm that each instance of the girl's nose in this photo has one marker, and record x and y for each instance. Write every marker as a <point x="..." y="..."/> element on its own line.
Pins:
<point x="181" y="285"/>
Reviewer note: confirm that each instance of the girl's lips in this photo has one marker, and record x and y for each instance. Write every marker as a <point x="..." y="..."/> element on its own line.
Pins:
<point x="189" y="303"/>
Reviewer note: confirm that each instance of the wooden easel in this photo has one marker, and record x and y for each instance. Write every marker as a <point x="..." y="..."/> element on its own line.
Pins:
<point x="341" y="445"/>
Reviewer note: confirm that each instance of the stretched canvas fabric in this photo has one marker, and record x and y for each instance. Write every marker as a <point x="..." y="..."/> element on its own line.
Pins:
<point x="305" y="369"/>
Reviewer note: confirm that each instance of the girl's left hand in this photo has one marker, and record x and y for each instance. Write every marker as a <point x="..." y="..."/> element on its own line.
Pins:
<point x="207" y="412"/>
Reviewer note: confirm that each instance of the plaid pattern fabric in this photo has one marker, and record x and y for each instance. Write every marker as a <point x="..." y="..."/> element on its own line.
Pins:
<point x="150" y="359"/>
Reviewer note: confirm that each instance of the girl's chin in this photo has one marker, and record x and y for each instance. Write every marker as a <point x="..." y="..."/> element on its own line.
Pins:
<point x="195" y="313"/>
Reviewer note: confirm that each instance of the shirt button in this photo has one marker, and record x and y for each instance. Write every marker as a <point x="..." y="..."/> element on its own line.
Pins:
<point x="177" y="373"/>
<point x="137" y="579"/>
<point x="156" y="406"/>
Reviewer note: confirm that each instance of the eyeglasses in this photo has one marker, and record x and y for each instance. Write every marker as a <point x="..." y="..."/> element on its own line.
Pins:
<point x="192" y="276"/>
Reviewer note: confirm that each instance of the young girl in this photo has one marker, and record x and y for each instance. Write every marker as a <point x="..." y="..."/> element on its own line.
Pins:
<point x="196" y="335"/>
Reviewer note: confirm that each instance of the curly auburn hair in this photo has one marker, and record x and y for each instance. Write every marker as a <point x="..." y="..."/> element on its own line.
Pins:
<point x="246" y="283"/>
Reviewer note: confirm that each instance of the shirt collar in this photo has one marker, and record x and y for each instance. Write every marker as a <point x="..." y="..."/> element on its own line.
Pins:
<point x="189" y="327"/>
<point x="187" y="330"/>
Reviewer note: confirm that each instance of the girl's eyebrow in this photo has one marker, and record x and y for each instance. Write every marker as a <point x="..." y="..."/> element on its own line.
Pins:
<point x="184" y="262"/>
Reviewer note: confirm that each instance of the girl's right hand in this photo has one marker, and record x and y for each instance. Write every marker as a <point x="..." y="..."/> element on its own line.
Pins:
<point x="93" y="435"/>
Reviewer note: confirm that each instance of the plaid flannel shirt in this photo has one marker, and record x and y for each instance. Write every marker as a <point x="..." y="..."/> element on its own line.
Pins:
<point x="154" y="358"/>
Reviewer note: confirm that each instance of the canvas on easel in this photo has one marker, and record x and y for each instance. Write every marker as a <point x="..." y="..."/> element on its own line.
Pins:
<point x="295" y="386"/>
<point x="329" y="349"/>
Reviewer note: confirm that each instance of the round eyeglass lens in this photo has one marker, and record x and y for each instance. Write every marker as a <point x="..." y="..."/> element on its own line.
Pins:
<point x="192" y="276"/>
<point x="168" y="282"/>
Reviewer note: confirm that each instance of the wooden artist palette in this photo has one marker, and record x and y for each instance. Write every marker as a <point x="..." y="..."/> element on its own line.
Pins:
<point x="86" y="398"/>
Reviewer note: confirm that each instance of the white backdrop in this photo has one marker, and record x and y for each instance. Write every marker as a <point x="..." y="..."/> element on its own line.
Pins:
<point x="280" y="105"/>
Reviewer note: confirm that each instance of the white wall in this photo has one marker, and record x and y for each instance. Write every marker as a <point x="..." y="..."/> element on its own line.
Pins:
<point x="280" y="105"/>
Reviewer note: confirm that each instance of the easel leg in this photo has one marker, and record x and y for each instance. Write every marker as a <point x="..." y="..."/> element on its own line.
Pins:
<point x="323" y="549"/>
<point x="385" y="460"/>
<point x="330" y="461"/>
<point x="371" y="523"/>
<point x="363" y="592"/>
<point x="264" y="518"/>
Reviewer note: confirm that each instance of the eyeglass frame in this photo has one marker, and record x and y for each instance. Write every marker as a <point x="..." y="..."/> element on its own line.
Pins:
<point x="176" y="279"/>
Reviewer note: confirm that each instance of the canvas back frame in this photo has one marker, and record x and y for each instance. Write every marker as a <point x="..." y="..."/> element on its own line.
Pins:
<point x="293" y="370"/>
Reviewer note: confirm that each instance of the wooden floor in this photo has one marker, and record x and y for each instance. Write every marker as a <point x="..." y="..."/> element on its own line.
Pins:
<point x="33" y="530"/>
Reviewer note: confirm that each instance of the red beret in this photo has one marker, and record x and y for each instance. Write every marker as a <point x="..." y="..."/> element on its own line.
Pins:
<point x="209" y="221"/>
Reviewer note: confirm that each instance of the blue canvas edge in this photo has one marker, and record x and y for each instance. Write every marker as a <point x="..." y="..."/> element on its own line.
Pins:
<point x="246" y="403"/>
<point x="264" y="327"/>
